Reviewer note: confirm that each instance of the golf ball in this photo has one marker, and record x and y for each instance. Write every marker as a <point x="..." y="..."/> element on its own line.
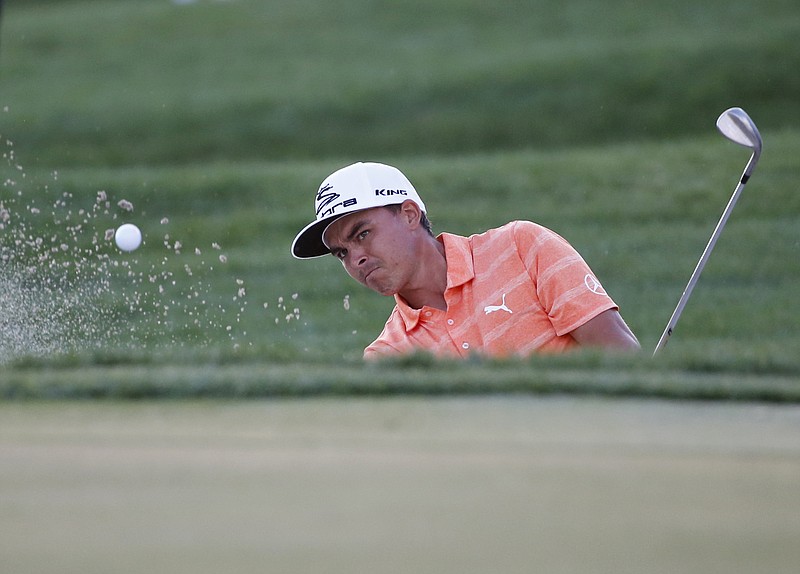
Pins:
<point x="128" y="237"/>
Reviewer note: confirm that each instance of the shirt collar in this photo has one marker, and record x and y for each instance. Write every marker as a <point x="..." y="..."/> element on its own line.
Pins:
<point x="458" y="253"/>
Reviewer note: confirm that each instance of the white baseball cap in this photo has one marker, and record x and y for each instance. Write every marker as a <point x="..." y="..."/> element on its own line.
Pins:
<point x="353" y="188"/>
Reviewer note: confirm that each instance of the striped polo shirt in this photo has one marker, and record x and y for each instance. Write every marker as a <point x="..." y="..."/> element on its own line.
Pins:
<point x="511" y="291"/>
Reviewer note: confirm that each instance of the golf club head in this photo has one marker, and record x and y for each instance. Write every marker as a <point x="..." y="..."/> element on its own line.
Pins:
<point x="737" y="126"/>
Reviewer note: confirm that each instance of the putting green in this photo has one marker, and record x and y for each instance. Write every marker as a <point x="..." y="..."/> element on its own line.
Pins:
<point x="447" y="485"/>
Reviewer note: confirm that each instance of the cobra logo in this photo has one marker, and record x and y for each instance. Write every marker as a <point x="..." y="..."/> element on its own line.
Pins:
<point x="325" y="199"/>
<point x="593" y="285"/>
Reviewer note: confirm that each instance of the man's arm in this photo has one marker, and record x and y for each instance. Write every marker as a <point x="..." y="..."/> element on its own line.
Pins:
<point x="607" y="330"/>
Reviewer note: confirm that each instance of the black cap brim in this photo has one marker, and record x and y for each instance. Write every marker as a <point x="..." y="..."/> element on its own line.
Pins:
<point x="308" y="242"/>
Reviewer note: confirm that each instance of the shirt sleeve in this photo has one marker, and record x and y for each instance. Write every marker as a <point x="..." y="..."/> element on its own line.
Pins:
<point x="568" y="290"/>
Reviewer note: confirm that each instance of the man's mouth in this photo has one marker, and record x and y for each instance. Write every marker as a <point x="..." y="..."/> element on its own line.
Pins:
<point x="368" y="273"/>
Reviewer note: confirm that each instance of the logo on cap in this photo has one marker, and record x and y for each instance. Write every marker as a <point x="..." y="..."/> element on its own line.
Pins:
<point x="325" y="199"/>
<point x="390" y="192"/>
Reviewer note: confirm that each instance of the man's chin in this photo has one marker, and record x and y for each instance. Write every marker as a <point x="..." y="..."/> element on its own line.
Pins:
<point x="384" y="290"/>
<point x="381" y="290"/>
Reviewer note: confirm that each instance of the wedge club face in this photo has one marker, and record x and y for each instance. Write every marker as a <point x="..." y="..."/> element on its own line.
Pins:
<point x="737" y="126"/>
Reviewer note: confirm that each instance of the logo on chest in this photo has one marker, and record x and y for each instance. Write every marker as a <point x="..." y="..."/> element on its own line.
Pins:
<point x="494" y="308"/>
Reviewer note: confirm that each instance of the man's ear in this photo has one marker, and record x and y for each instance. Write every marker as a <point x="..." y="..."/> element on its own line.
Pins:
<point x="411" y="213"/>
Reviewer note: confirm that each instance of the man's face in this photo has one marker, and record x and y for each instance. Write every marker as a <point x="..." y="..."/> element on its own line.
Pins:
<point x="376" y="247"/>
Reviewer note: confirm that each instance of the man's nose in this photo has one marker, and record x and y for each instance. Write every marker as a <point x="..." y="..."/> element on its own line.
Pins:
<point x="357" y="257"/>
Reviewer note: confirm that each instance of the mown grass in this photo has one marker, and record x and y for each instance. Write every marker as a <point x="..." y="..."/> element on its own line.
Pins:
<point x="235" y="377"/>
<point x="218" y="119"/>
<point x="151" y="82"/>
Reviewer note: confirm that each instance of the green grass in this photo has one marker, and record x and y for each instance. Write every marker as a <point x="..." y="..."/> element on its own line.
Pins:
<point x="222" y="117"/>
<point x="114" y="83"/>
<point x="138" y="378"/>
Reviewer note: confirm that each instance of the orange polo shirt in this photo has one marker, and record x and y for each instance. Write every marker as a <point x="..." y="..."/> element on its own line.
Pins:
<point x="514" y="290"/>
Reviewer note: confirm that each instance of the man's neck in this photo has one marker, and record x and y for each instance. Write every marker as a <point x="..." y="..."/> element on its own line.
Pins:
<point x="430" y="278"/>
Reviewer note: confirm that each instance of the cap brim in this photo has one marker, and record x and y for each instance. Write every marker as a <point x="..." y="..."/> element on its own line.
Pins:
<point x="308" y="242"/>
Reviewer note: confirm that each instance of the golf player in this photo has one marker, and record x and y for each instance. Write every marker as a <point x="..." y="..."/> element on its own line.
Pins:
<point x="511" y="291"/>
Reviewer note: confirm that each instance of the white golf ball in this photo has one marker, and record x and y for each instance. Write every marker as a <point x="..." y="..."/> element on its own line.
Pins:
<point x="128" y="237"/>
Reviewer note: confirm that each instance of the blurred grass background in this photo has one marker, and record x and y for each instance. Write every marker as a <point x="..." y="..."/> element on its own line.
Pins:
<point x="217" y="120"/>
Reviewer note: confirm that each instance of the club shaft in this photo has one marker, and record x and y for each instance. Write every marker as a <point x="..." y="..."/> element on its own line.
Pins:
<point x="748" y="170"/>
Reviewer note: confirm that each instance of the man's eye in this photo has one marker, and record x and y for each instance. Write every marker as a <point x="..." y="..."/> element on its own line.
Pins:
<point x="341" y="254"/>
<point x="363" y="234"/>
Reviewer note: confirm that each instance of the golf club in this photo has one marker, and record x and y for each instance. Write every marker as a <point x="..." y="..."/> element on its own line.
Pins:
<point x="737" y="126"/>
